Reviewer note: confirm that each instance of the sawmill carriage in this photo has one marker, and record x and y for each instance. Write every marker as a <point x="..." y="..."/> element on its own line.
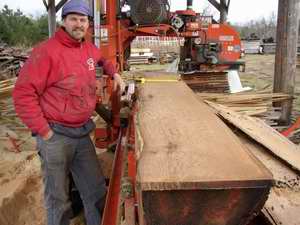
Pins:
<point x="191" y="178"/>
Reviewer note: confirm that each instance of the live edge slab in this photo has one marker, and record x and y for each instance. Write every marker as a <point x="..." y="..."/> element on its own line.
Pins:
<point x="191" y="168"/>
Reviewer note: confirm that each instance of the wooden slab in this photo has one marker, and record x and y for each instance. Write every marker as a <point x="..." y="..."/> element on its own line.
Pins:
<point x="182" y="144"/>
<point x="283" y="204"/>
<point x="264" y="134"/>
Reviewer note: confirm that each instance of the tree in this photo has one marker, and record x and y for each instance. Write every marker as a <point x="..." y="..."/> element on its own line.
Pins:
<point x="262" y="28"/>
<point x="19" y="29"/>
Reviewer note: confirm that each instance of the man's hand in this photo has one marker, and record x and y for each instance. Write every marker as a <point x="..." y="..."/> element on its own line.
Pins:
<point x="118" y="81"/>
<point x="48" y="135"/>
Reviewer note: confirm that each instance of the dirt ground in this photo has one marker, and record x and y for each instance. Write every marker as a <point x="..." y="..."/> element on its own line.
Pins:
<point x="21" y="186"/>
<point x="21" y="189"/>
<point x="259" y="74"/>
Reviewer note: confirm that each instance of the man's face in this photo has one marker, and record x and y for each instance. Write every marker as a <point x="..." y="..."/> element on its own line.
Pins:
<point x="76" y="25"/>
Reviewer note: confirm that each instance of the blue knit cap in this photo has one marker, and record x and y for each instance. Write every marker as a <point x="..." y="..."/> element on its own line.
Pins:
<point x="76" y="6"/>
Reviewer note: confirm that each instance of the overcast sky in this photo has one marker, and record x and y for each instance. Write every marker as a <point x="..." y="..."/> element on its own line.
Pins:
<point x="240" y="11"/>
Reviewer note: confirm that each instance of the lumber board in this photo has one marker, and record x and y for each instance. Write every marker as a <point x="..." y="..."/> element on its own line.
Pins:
<point x="262" y="133"/>
<point x="283" y="175"/>
<point x="283" y="204"/>
<point x="183" y="145"/>
<point x="207" y="82"/>
<point x="259" y="104"/>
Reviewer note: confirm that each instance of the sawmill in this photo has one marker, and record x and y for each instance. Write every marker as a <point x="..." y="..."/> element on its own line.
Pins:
<point x="191" y="147"/>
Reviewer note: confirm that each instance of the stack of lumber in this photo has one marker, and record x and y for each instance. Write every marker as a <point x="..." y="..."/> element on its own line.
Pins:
<point x="279" y="155"/>
<point x="141" y="56"/>
<point x="138" y="60"/>
<point x="257" y="104"/>
<point x="7" y="109"/>
<point x="6" y="104"/>
<point x="298" y="60"/>
<point x="215" y="82"/>
<point x="6" y="87"/>
<point x="11" y="59"/>
<point x="191" y="168"/>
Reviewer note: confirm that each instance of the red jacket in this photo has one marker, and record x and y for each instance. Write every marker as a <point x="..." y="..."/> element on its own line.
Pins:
<point x="57" y="83"/>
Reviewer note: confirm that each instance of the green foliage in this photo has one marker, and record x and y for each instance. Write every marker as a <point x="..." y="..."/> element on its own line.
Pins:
<point x="19" y="29"/>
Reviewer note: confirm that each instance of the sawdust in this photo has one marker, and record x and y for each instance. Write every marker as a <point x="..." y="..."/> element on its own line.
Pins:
<point x="21" y="186"/>
<point x="21" y="192"/>
<point x="22" y="203"/>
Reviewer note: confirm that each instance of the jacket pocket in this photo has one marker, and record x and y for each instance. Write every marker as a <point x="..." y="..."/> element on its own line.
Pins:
<point x="76" y="101"/>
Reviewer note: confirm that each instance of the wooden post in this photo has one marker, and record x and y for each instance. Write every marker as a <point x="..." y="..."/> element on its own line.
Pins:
<point x="286" y="49"/>
<point x="215" y="4"/>
<point x="222" y="7"/>
<point x="52" y="9"/>
<point x="51" y="17"/>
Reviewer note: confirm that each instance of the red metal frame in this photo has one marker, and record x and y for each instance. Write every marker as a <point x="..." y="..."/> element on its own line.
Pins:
<point x="130" y="202"/>
<point x="292" y="128"/>
<point x="111" y="214"/>
<point x="124" y="153"/>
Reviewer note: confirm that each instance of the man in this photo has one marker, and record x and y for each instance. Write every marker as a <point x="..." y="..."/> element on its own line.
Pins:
<point x="55" y="97"/>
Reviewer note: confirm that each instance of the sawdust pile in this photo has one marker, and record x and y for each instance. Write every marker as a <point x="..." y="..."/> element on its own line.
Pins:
<point x="21" y="187"/>
<point x="21" y="192"/>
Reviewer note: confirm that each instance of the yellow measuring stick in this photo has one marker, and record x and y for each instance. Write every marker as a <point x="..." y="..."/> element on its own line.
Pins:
<point x="144" y="80"/>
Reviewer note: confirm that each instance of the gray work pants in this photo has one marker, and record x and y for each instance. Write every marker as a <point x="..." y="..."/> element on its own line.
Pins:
<point x="61" y="155"/>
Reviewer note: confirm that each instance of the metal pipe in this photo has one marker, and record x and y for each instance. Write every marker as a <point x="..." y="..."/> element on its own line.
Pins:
<point x="97" y="23"/>
<point x="189" y="4"/>
<point x="103" y="7"/>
